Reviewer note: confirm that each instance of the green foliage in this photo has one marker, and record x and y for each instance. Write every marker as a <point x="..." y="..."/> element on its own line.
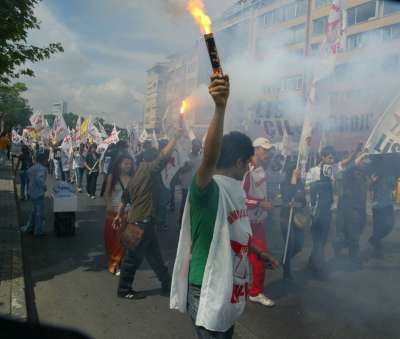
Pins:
<point x="16" y="19"/>
<point x="14" y="109"/>
<point x="71" y="119"/>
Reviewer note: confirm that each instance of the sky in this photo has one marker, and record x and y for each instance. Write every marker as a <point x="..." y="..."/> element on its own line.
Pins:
<point x="108" y="46"/>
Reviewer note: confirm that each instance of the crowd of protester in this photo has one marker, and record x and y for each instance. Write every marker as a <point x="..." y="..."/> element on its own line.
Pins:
<point x="224" y="215"/>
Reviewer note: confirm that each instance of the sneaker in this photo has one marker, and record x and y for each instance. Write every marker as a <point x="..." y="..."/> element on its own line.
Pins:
<point x="263" y="300"/>
<point x="117" y="272"/>
<point x="132" y="295"/>
<point x="79" y="190"/>
<point x="88" y="195"/>
<point x="93" y="197"/>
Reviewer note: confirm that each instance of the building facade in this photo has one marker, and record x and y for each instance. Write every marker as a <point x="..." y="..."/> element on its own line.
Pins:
<point x="364" y="80"/>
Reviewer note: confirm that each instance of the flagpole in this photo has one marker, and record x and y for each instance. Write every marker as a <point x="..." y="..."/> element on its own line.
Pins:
<point x="305" y="94"/>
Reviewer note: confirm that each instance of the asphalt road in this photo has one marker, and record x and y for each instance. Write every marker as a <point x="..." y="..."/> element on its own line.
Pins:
<point x="73" y="289"/>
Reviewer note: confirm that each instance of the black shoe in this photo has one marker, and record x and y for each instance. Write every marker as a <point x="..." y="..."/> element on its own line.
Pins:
<point x="132" y="295"/>
<point x="166" y="289"/>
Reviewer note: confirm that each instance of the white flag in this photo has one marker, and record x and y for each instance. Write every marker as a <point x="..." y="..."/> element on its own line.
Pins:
<point x="385" y="137"/>
<point x="66" y="145"/>
<point x="60" y="127"/>
<point x="15" y="137"/>
<point x="177" y="160"/>
<point x="154" y="140"/>
<point x="144" y="136"/>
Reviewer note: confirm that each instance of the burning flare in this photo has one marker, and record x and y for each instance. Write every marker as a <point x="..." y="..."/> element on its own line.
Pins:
<point x="184" y="107"/>
<point x="197" y="9"/>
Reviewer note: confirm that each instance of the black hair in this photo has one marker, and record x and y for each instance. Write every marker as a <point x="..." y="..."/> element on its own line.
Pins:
<point x="235" y="146"/>
<point x="328" y="150"/>
<point x="42" y="157"/>
<point x="150" y="154"/>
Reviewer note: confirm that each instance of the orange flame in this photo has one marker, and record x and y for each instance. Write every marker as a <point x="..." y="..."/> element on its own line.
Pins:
<point x="184" y="107"/>
<point x="197" y="9"/>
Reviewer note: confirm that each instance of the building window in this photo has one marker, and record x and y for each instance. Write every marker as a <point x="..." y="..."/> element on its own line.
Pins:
<point x="320" y="25"/>
<point x="322" y="3"/>
<point x="294" y="83"/>
<point x="285" y="13"/>
<point x="391" y="32"/>
<point x="298" y="34"/>
<point x="315" y="48"/>
<point x="355" y="41"/>
<point x="390" y="7"/>
<point x="362" y="13"/>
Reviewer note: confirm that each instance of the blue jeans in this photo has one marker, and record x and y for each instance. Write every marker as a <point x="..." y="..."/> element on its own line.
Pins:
<point x="37" y="217"/>
<point x="79" y="176"/>
<point x="24" y="184"/>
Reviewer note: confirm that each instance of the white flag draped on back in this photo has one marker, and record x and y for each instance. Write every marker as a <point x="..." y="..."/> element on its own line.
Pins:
<point x="385" y="137"/>
<point x="60" y="127"/>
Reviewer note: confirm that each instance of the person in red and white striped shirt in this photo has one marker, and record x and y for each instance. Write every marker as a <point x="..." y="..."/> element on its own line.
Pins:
<point x="258" y="205"/>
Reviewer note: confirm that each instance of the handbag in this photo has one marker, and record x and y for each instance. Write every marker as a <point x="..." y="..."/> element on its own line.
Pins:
<point x="132" y="236"/>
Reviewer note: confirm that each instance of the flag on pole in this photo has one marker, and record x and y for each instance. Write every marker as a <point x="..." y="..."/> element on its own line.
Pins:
<point x="60" y="127"/>
<point x="144" y="136"/>
<point x="84" y="127"/>
<point x="154" y="140"/>
<point x="15" y="137"/>
<point x="385" y="137"/>
<point x="102" y="130"/>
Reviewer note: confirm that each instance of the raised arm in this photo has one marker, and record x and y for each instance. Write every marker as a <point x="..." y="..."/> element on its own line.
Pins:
<point x="219" y="90"/>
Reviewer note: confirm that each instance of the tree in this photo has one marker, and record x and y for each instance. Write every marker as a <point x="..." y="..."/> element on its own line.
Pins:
<point x="71" y="119"/>
<point x="14" y="109"/>
<point x="16" y="19"/>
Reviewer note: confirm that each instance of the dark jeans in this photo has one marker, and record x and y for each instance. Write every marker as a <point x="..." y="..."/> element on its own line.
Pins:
<point x="350" y="222"/>
<point x="296" y="238"/>
<point x="319" y="232"/>
<point x="164" y="199"/>
<point x="91" y="183"/>
<point x="383" y="223"/>
<point x="24" y="184"/>
<point x="149" y="249"/>
<point x="193" y="299"/>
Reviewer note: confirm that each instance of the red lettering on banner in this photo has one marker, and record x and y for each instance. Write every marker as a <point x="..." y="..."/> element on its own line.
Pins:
<point x="239" y="291"/>
<point x="236" y="215"/>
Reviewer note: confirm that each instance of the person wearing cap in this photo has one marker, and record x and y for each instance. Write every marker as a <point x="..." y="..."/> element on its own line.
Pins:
<point x="255" y="186"/>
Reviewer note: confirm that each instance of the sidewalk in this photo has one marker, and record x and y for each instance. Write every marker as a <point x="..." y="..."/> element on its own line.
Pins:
<point x="12" y="284"/>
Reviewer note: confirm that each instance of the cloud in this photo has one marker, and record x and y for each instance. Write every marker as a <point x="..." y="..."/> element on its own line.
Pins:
<point x="108" y="45"/>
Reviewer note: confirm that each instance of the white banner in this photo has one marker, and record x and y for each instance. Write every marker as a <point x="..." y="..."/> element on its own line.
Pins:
<point x="385" y="137"/>
<point x="60" y="127"/>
